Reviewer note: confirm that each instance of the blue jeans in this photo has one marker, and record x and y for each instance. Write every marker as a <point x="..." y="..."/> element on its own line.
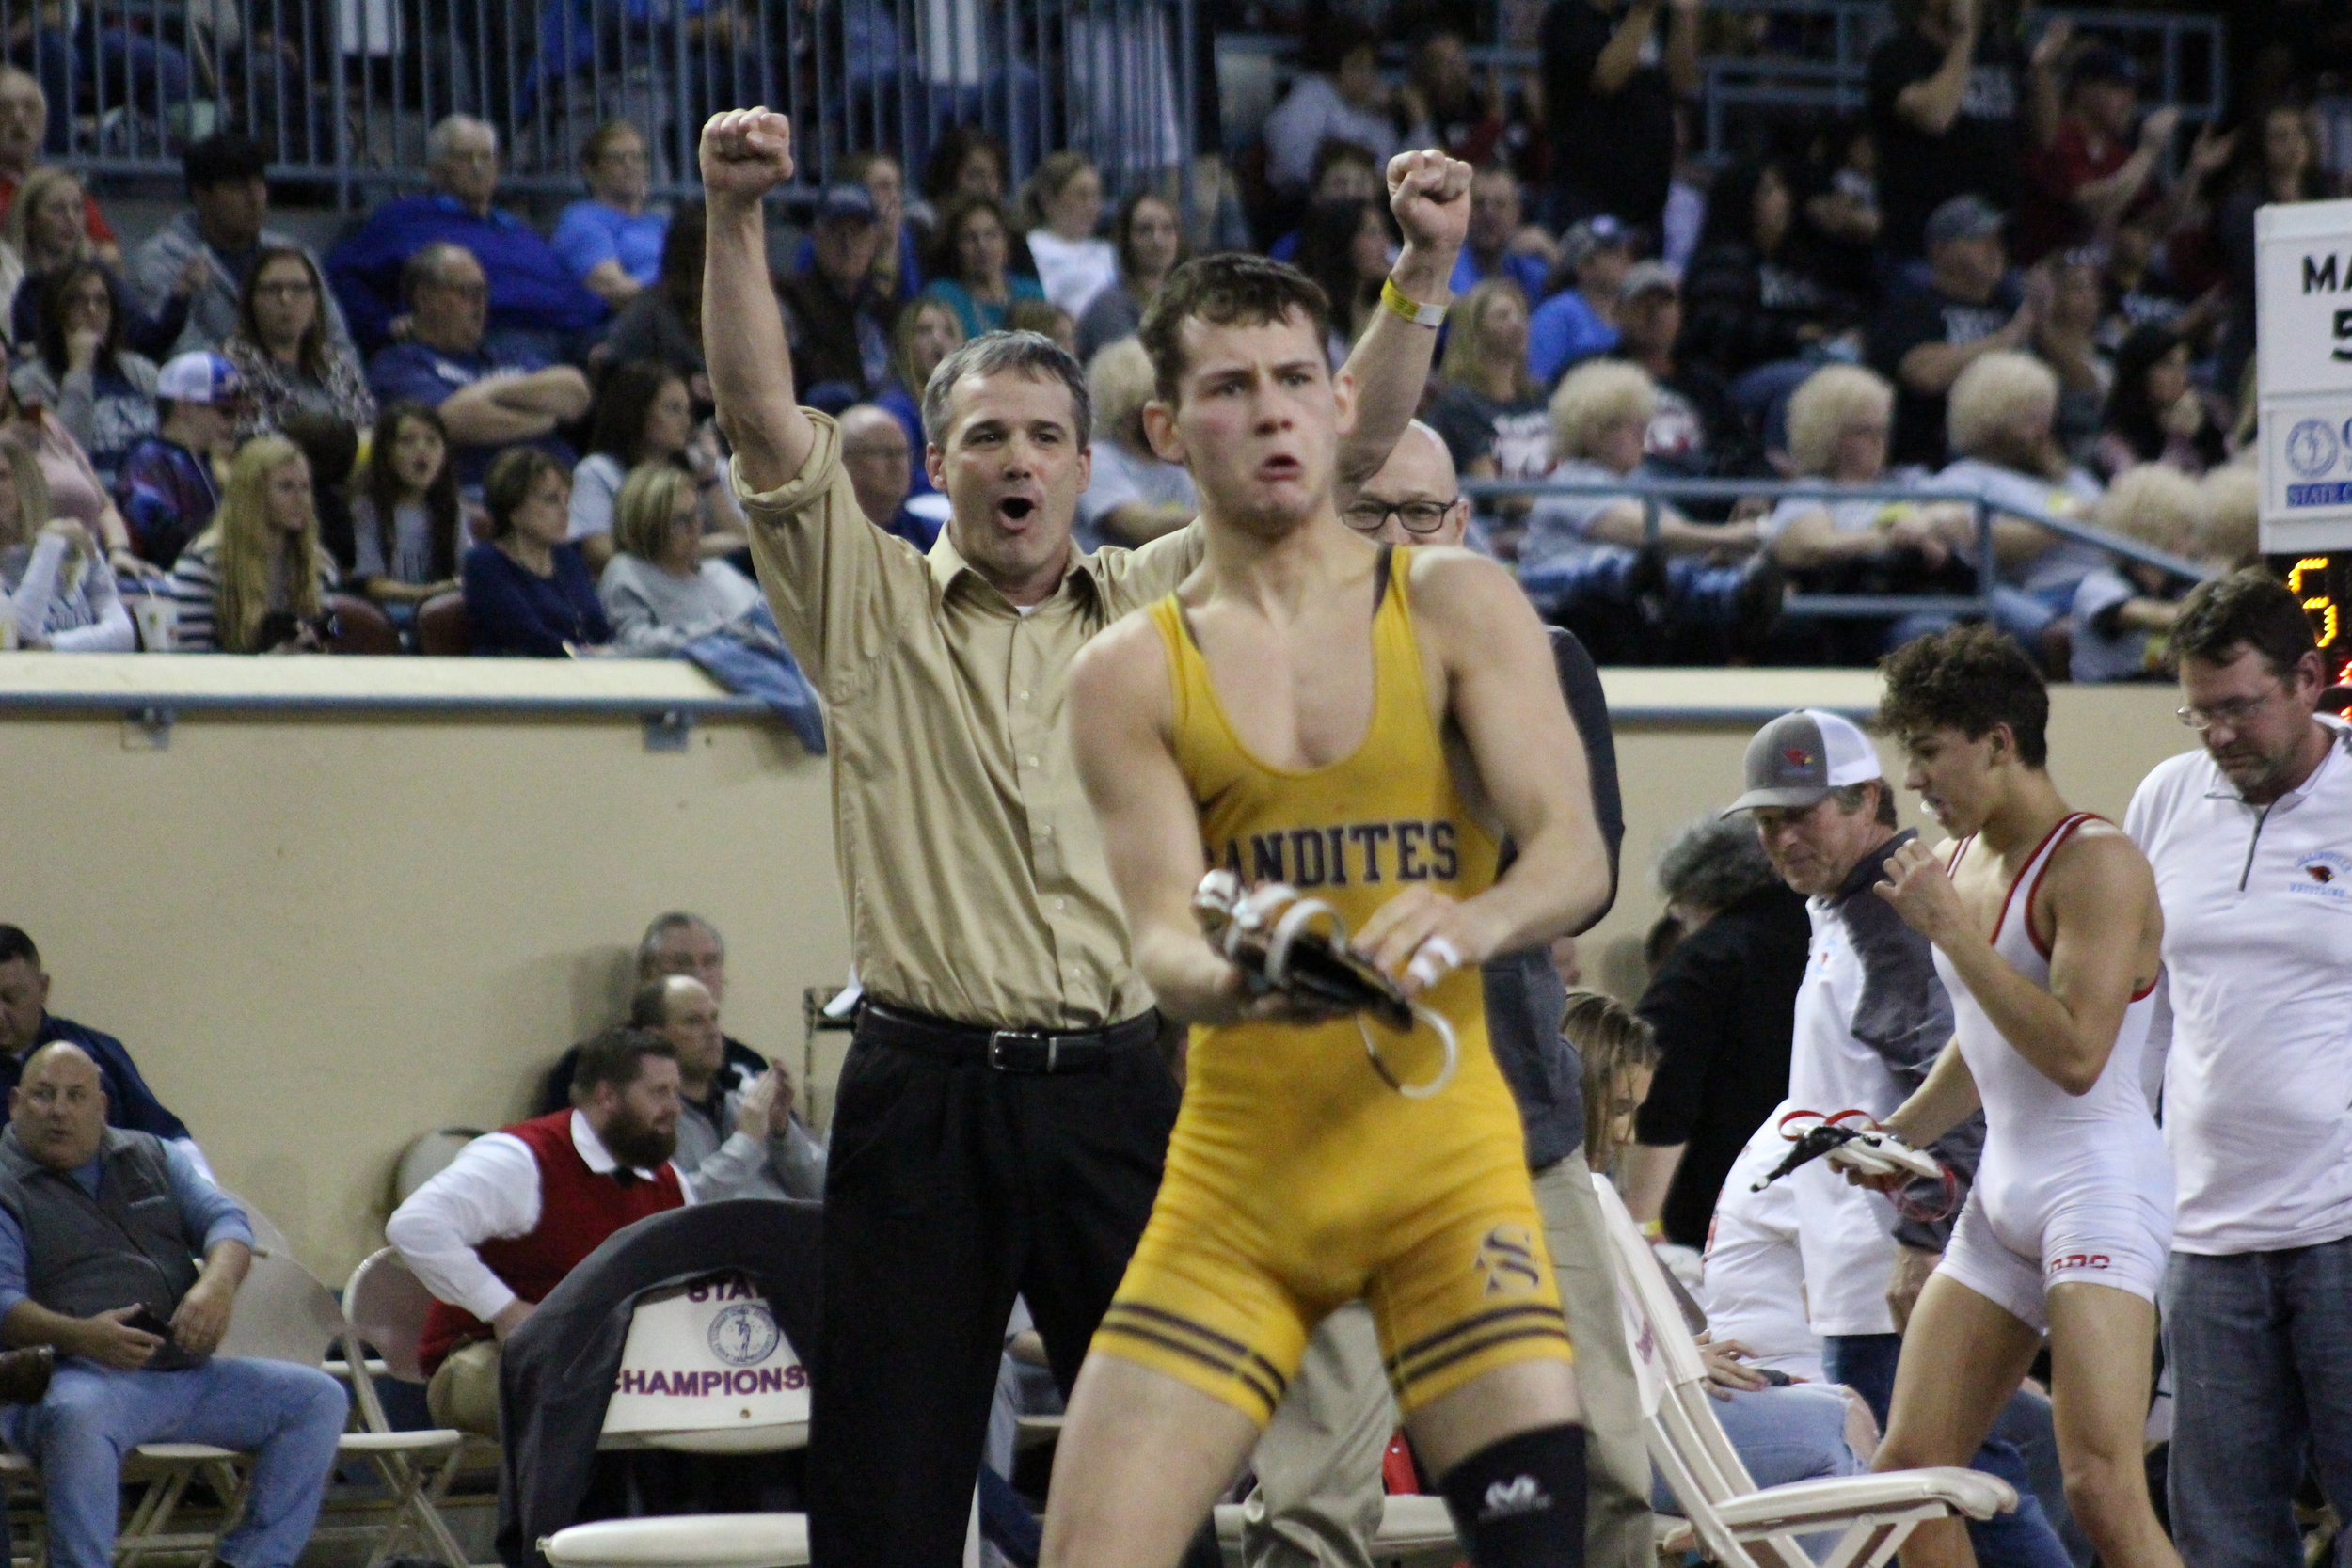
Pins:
<point x="1782" y="1435"/>
<point x="2260" y="1348"/>
<point x="1866" y="1363"/>
<point x="287" y="1417"/>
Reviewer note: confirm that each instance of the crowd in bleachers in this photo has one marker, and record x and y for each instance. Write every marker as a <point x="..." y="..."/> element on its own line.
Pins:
<point x="2008" y="278"/>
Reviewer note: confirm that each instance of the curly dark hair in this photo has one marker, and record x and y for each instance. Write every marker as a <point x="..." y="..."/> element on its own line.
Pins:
<point x="1968" y="678"/>
<point x="1225" y="289"/>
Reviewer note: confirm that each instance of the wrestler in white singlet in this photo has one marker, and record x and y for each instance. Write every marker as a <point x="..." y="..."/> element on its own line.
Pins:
<point x="2073" y="1188"/>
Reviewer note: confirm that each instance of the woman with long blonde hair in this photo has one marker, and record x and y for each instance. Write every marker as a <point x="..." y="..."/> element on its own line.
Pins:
<point x="257" y="581"/>
<point x="53" y="573"/>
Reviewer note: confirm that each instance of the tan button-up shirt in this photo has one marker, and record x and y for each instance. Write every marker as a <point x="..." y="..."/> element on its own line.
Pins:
<point x="975" y="879"/>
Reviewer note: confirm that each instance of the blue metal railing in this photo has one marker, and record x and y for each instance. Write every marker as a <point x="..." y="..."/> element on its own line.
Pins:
<point x="342" y="93"/>
<point x="1653" y="492"/>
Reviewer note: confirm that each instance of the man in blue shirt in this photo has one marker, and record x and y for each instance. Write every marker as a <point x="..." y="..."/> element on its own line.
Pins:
<point x="100" y="1233"/>
<point x="1576" y="324"/>
<point x="26" y="1025"/>
<point x="488" y="399"/>
<point x="1496" y="220"/>
<point x="537" y="305"/>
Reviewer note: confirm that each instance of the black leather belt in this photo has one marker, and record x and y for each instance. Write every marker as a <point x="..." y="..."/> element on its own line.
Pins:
<point x="1006" y="1050"/>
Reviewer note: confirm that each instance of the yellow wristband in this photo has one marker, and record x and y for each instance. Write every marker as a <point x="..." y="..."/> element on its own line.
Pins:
<point x="1653" y="1229"/>
<point x="1413" y="310"/>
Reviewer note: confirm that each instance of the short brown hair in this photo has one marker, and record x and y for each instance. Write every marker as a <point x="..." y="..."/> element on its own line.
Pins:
<point x="616" y="1056"/>
<point x="510" y="483"/>
<point x="1225" y="291"/>
<point x="1967" y="678"/>
<point x="2248" y="608"/>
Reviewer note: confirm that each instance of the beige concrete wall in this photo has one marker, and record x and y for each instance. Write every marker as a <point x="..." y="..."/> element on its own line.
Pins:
<point x="322" y="935"/>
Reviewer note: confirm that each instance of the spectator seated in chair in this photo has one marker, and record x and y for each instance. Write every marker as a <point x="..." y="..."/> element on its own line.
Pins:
<point x="102" y="1231"/>
<point x="487" y="400"/>
<point x="26" y="1025"/>
<point x="167" y="490"/>
<point x="737" y="1136"/>
<point x="537" y="307"/>
<point x="612" y="240"/>
<point x="23" y="120"/>
<point x="517" y="1210"/>
<point x="674" y="942"/>
<point x="54" y="575"/>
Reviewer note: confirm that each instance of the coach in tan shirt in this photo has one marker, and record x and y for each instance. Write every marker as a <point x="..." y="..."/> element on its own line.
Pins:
<point x="1001" y="1115"/>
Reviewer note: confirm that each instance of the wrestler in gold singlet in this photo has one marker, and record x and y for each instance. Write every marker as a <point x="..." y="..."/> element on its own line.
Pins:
<point x="1298" y="1179"/>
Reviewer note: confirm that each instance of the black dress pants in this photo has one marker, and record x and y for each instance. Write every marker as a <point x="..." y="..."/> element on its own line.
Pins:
<point x="950" y="1188"/>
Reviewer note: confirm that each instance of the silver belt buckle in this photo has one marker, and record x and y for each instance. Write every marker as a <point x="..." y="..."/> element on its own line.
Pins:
<point x="998" y="1038"/>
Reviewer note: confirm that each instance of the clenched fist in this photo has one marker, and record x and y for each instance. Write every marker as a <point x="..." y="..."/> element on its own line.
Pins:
<point x="1429" y="192"/>
<point x="745" y="154"/>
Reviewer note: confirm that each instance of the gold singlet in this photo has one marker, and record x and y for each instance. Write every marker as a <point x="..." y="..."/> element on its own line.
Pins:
<point x="1298" y="1179"/>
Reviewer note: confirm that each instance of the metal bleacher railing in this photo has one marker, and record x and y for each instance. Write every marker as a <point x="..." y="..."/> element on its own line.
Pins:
<point x="342" y="93"/>
<point x="1655" y="492"/>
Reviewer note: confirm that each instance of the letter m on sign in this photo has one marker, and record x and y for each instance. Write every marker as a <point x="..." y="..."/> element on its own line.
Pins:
<point x="2319" y="274"/>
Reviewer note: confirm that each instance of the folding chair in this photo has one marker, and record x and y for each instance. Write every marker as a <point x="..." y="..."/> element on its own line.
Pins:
<point x="1415" y="1533"/>
<point x="384" y="1307"/>
<point x="1737" y="1524"/>
<point x="705" y="1369"/>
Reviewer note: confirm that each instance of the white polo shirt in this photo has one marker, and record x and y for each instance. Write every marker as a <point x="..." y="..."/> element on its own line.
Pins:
<point x="2257" y="967"/>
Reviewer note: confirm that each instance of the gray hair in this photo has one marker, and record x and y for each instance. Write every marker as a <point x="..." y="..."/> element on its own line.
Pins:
<point x="1713" y="864"/>
<point x="439" y="140"/>
<point x="666" y="926"/>
<point x="1027" y="354"/>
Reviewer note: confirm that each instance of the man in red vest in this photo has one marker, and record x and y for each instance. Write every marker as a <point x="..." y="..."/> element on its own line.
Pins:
<point x="517" y="1210"/>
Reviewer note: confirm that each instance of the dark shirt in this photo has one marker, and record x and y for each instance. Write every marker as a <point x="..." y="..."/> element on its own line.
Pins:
<point x="130" y="1103"/>
<point x="1616" y="153"/>
<point x="1525" y="998"/>
<point x="513" y="610"/>
<point x="1905" y="1016"/>
<point x="532" y="289"/>
<point x="1516" y="434"/>
<point x="151" y="335"/>
<point x="1909" y="318"/>
<point x="840" y="348"/>
<point x="1698" y="430"/>
<point x="415" y="372"/>
<point x="1982" y="151"/>
<point x="1741" y="310"/>
<point x="166" y="494"/>
<point x="1723" y="1005"/>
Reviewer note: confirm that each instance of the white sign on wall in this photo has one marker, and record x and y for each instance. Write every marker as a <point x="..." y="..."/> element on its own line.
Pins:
<point x="2303" y="338"/>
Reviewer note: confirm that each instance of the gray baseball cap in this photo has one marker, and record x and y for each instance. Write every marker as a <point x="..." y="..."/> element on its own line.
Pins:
<point x="1800" y="757"/>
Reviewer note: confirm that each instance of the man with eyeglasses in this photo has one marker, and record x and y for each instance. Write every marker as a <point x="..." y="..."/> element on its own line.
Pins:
<point x="1318" y="1466"/>
<point x="2252" y="844"/>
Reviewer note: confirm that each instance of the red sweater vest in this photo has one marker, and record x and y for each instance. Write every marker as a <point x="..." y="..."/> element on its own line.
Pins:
<point x="578" y="1210"/>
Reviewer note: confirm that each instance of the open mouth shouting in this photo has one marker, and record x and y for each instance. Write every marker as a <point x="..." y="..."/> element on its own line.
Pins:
<point x="1015" y="511"/>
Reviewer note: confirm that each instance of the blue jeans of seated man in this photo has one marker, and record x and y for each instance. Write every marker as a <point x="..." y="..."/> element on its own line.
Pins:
<point x="1697" y="593"/>
<point x="287" y="1417"/>
<point x="2260" y="1349"/>
<point x="1782" y="1434"/>
<point x="1866" y="1363"/>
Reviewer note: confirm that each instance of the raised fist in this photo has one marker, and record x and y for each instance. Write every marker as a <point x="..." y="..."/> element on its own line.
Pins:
<point x="746" y="153"/>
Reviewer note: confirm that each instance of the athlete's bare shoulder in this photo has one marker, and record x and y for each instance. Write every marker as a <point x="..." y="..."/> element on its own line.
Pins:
<point x="2097" y="875"/>
<point x="1123" y="668"/>
<point x="1461" y="592"/>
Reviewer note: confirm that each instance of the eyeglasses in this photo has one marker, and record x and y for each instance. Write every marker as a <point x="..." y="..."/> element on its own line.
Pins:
<point x="1371" y="516"/>
<point x="2232" y="713"/>
<point x="285" y="290"/>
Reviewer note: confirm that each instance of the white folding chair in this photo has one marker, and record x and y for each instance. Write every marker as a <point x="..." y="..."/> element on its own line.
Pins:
<point x="1415" y="1533"/>
<point x="384" y="1307"/>
<point x="1738" y="1524"/>
<point x="705" y="1369"/>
